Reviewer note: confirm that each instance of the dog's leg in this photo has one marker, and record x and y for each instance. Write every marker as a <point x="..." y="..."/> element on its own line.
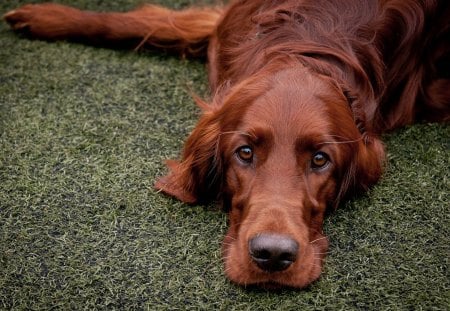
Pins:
<point x="186" y="31"/>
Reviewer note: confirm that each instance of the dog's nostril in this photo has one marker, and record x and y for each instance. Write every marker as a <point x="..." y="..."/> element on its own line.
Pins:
<point x="273" y="252"/>
<point x="261" y="254"/>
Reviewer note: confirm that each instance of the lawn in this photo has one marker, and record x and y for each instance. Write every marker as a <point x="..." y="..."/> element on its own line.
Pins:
<point x="84" y="132"/>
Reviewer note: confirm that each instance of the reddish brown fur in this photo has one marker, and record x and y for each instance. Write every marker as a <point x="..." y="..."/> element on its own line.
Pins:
<point x="289" y="79"/>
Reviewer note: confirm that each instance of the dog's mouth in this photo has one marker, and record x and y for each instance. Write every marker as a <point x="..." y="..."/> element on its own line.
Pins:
<point x="273" y="261"/>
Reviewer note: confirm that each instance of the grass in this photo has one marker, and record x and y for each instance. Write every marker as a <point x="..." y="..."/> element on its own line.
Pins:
<point x="84" y="132"/>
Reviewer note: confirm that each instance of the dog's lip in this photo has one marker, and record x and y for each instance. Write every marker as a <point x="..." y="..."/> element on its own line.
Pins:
<point x="271" y="279"/>
<point x="277" y="281"/>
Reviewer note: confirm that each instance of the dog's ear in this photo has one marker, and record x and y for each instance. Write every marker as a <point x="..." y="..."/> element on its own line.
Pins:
<point x="197" y="177"/>
<point x="364" y="170"/>
<point x="368" y="155"/>
<point x="369" y="162"/>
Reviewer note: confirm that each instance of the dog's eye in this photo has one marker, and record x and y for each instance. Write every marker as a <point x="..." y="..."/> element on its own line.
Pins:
<point x="245" y="153"/>
<point x="320" y="159"/>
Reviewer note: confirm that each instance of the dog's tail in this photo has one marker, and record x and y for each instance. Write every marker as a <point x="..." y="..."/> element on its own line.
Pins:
<point x="186" y="31"/>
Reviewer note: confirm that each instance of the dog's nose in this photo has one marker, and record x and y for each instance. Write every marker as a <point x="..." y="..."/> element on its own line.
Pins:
<point x="273" y="252"/>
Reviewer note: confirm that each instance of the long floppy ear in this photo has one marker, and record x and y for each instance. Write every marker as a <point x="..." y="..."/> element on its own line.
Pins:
<point x="197" y="177"/>
<point x="368" y="160"/>
<point x="365" y="168"/>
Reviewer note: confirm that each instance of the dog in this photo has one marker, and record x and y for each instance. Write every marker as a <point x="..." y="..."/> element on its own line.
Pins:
<point x="301" y="91"/>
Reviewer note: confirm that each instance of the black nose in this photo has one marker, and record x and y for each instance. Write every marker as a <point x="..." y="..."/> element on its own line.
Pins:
<point x="273" y="252"/>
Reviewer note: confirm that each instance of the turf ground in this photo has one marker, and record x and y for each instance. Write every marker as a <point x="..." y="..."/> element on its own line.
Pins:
<point x="84" y="132"/>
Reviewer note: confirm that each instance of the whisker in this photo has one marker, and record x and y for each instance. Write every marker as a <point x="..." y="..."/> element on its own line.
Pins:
<point x="322" y="238"/>
<point x="227" y="244"/>
<point x="236" y="132"/>
<point x="231" y="238"/>
<point x="341" y="142"/>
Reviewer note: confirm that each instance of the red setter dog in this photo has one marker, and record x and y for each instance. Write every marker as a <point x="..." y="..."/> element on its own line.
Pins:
<point x="300" y="91"/>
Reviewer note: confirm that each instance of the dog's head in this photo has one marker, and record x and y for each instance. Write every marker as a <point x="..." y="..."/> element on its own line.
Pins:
<point x="279" y="149"/>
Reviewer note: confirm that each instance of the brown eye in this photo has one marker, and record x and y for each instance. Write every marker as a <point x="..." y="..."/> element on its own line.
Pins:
<point x="320" y="159"/>
<point x="245" y="153"/>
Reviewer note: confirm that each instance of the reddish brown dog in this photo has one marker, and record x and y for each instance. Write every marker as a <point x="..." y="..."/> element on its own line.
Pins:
<point x="300" y="90"/>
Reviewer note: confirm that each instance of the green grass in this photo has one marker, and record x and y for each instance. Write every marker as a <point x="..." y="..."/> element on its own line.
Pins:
<point x="84" y="133"/>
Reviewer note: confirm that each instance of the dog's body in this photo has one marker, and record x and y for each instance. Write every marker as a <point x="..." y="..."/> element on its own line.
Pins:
<point x="300" y="90"/>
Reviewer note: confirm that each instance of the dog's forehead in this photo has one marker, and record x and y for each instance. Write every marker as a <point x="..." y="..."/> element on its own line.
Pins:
<point x="294" y="105"/>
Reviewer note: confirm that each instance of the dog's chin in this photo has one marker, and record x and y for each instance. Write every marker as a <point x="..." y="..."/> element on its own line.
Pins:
<point x="287" y="280"/>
